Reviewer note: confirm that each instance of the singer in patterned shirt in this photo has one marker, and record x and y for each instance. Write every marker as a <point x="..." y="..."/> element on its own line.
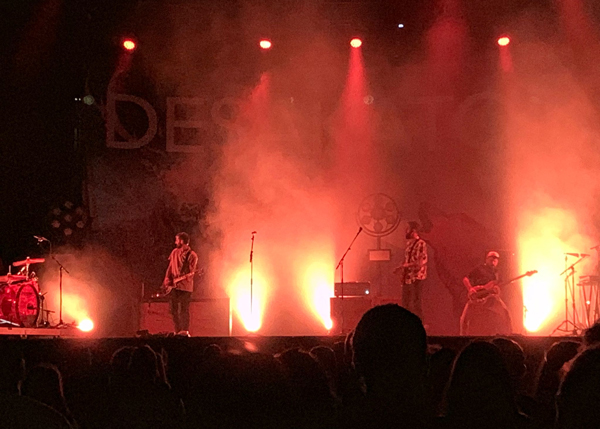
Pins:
<point x="413" y="270"/>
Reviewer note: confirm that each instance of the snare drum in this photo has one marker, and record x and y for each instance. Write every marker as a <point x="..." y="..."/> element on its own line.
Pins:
<point x="20" y="304"/>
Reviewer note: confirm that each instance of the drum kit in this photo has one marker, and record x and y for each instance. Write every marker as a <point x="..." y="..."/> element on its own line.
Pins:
<point x="20" y="297"/>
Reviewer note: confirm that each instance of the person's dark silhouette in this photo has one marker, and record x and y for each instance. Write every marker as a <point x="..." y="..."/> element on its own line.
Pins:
<point x="142" y="399"/>
<point x="20" y="412"/>
<point x="243" y="391"/>
<point x="550" y="375"/>
<point x="325" y="357"/>
<point x="389" y="356"/>
<point x="514" y="358"/>
<point x="480" y="394"/>
<point x="212" y="351"/>
<point x="44" y="384"/>
<point x="440" y="368"/>
<point x="312" y="397"/>
<point x="578" y="400"/>
<point x="591" y="336"/>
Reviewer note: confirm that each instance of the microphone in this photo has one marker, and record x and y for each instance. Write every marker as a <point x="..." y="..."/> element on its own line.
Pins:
<point x="40" y="239"/>
<point x="577" y="255"/>
<point x="360" y="229"/>
<point x="253" y="232"/>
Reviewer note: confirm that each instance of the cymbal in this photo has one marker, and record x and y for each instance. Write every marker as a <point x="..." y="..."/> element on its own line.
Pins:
<point x="28" y="261"/>
<point x="12" y="278"/>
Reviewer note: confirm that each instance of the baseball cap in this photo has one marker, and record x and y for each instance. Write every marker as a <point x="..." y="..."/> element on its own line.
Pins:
<point x="492" y="254"/>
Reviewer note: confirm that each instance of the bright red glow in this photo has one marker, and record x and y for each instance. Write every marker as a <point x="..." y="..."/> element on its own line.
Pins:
<point x="504" y="41"/>
<point x="86" y="325"/>
<point x="250" y="314"/>
<point x="356" y="43"/>
<point x="129" y="44"/>
<point x="265" y="44"/>
<point x="317" y="281"/>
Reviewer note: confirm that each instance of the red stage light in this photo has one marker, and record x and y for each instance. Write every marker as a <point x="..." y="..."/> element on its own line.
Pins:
<point x="356" y="42"/>
<point x="86" y="325"/>
<point x="265" y="44"/>
<point x="129" y="44"/>
<point x="504" y="41"/>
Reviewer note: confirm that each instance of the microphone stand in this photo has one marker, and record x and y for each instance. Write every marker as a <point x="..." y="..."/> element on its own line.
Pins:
<point x="60" y="286"/>
<point x="251" y="270"/>
<point x="61" y="268"/>
<point x="340" y="265"/>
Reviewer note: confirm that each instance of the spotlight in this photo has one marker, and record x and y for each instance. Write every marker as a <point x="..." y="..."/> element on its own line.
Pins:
<point x="86" y="325"/>
<point x="503" y="41"/>
<point x="129" y="44"/>
<point x="400" y="25"/>
<point x="265" y="44"/>
<point x="356" y="42"/>
<point x="89" y="100"/>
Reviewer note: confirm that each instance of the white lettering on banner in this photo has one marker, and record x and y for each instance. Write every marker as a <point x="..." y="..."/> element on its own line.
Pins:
<point x="114" y="126"/>
<point x="173" y="122"/>
<point x="215" y="113"/>
<point x="210" y="119"/>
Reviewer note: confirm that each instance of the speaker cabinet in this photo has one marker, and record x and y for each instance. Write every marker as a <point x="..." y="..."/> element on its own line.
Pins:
<point x="208" y="317"/>
<point x="346" y="312"/>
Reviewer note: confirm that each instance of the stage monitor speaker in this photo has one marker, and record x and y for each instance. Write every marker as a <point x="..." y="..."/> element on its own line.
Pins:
<point x="352" y="289"/>
<point x="208" y="317"/>
<point x="346" y="312"/>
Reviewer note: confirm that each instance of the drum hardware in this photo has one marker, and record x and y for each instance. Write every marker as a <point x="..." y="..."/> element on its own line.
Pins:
<point x="590" y="294"/>
<point x="6" y="322"/>
<point x="12" y="278"/>
<point x="28" y="261"/>
<point x="25" y="263"/>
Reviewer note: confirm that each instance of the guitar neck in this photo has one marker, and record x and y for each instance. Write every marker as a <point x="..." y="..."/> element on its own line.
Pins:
<point x="183" y="277"/>
<point x="527" y="274"/>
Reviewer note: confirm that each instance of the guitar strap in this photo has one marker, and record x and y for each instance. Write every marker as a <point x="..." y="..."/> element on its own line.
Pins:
<point x="412" y="249"/>
<point x="185" y="267"/>
<point x="410" y="253"/>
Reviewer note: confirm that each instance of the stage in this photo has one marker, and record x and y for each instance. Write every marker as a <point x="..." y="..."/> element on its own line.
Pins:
<point x="68" y="332"/>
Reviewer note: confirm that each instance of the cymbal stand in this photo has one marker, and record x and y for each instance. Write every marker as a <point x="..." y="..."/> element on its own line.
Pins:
<point x="569" y="273"/>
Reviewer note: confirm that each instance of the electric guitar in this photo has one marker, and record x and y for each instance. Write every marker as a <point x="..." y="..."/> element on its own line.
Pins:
<point x="480" y="294"/>
<point x="404" y="269"/>
<point x="166" y="289"/>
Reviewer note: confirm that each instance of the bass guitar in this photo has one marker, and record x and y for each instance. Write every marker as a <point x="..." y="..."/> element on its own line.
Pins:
<point x="166" y="289"/>
<point x="482" y="293"/>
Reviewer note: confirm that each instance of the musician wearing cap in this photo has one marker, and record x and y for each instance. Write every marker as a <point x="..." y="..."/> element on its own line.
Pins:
<point x="485" y="313"/>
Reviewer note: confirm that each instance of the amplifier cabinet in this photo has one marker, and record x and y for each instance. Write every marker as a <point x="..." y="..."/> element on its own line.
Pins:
<point x="352" y="289"/>
<point x="209" y="317"/>
<point x="347" y="312"/>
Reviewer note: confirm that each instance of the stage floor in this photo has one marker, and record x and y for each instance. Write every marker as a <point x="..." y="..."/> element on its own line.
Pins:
<point x="68" y="332"/>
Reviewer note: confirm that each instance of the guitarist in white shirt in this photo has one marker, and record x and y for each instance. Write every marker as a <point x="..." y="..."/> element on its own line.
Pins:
<point x="183" y="260"/>
<point x="487" y="316"/>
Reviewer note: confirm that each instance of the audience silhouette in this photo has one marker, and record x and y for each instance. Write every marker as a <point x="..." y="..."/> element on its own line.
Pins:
<point x="383" y="375"/>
